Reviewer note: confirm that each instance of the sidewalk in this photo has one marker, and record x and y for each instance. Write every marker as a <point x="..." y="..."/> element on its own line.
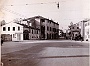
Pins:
<point x="48" y="55"/>
<point x="41" y="41"/>
<point x="83" y="41"/>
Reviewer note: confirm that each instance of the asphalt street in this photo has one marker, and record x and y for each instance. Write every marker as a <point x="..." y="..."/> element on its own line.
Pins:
<point x="45" y="53"/>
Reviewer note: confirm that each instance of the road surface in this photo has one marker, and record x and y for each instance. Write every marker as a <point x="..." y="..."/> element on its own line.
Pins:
<point x="45" y="53"/>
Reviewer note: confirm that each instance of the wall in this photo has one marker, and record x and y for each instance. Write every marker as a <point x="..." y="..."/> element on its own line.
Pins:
<point x="11" y="32"/>
<point x="34" y="35"/>
<point x="87" y="31"/>
<point x="49" y="23"/>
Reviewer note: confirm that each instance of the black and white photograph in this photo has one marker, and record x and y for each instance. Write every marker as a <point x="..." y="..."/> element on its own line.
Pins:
<point x="44" y="32"/>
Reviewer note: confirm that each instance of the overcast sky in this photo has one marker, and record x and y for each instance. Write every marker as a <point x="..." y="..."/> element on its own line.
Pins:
<point x="69" y="10"/>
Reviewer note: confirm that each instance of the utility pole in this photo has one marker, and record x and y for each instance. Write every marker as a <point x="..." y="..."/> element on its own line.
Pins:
<point x="1" y="64"/>
<point x="40" y="30"/>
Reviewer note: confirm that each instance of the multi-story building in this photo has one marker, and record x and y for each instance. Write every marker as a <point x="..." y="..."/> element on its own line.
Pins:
<point x="18" y="32"/>
<point x="12" y="31"/>
<point x="48" y="28"/>
<point x="36" y="27"/>
<point x="87" y="31"/>
<point x="74" y="30"/>
<point x="83" y="26"/>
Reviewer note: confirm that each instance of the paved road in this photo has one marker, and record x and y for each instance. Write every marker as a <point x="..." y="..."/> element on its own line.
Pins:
<point x="45" y="53"/>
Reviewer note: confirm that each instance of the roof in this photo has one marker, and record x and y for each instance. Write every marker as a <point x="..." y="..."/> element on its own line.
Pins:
<point x="26" y="26"/>
<point x="40" y="18"/>
<point x="8" y="23"/>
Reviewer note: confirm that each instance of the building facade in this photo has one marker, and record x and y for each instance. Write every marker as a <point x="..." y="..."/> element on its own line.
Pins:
<point x="19" y="32"/>
<point x="87" y="31"/>
<point x="36" y="27"/>
<point x="12" y="32"/>
<point x="84" y="26"/>
<point x="81" y="25"/>
<point x="74" y="30"/>
<point x="48" y="28"/>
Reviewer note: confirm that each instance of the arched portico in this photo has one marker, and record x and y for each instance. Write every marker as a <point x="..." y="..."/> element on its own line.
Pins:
<point x="26" y="35"/>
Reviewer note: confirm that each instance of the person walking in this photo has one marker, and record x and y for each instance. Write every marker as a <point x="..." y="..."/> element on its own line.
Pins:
<point x="1" y="41"/>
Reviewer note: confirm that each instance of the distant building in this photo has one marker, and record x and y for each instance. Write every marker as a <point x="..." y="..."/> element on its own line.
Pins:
<point x="68" y="35"/>
<point x="83" y="26"/>
<point x="61" y="33"/>
<point x="74" y="30"/>
<point x="87" y="31"/>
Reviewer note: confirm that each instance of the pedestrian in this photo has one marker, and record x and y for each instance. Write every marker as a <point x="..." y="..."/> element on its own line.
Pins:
<point x="1" y="41"/>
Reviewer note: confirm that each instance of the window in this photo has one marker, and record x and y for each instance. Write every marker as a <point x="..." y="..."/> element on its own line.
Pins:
<point x="55" y="29"/>
<point x="42" y="20"/>
<point x="29" y="30"/>
<point x="32" y="31"/>
<point x="13" y="35"/>
<point x="4" y="28"/>
<point x="48" y="21"/>
<point x="50" y="28"/>
<point x="47" y="35"/>
<point x="18" y="28"/>
<point x="13" y="28"/>
<point x="47" y="28"/>
<point x="37" y="31"/>
<point x="8" y="28"/>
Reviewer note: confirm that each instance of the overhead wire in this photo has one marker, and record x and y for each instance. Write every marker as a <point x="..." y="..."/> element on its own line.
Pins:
<point x="13" y="12"/>
<point x="30" y="4"/>
<point x="27" y="4"/>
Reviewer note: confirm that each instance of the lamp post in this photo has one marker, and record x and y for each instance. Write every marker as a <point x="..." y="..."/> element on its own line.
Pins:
<point x="40" y="30"/>
<point x="1" y="64"/>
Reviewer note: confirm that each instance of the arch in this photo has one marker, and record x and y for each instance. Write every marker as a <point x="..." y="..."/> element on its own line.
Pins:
<point x="26" y="35"/>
